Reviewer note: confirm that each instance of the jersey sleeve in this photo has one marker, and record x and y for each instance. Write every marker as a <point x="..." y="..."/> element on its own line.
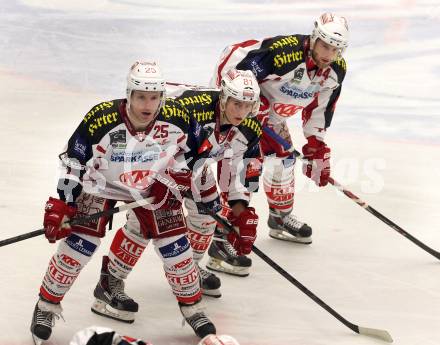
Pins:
<point x="79" y="150"/>
<point x="245" y="166"/>
<point x="318" y="115"/>
<point x="268" y="59"/>
<point x="73" y="164"/>
<point x="191" y="135"/>
<point x="251" y="55"/>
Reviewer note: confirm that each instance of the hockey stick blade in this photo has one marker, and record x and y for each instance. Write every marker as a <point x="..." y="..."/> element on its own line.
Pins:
<point x="376" y="333"/>
<point x="372" y="332"/>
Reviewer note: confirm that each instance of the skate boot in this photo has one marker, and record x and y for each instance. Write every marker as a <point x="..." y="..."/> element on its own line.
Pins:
<point x="111" y="300"/>
<point x="209" y="283"/>
<point x="224" y="258"/>
<point x="196" y="318"/>
<point x="285" y="226"/>
<point x="43" y="320"/>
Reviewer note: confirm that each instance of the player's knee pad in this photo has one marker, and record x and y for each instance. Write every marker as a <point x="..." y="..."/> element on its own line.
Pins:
<point x="73" y="253"/>
<point x="279" y="185"/>
<point x="180" y="269"/>
<point x="125" y="250"/>
<point x="200" y="229"/>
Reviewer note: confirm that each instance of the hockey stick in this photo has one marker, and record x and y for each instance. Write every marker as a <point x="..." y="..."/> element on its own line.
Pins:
<point x="80" y="220"/>
<point x="373" y="332"/>
<point x="356" y="199"/>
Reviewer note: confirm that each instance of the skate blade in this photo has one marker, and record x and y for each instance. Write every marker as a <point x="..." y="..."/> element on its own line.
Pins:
<point x="102" y="308"/>
<point x="222" y="266"/>
<point x="37" y="341"/>
<point x="285" y="236"/>
<point x="212" y="293"/>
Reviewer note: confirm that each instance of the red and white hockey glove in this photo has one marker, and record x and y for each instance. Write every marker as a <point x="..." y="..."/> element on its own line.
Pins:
<point x="317" y="161"/>
<point x="56" y="213"/>
<point x="246" y="223"/>
<point x="169" y="187"/>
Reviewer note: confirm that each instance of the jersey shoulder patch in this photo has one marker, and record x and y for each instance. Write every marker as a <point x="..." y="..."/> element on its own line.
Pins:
<point x="176" y="114"/>
<point x="251" y="128"/>
<point x="287" y="52"/>
<point x="340" y="68"/>
<point x="282" y="42"/>
<point x="102" y="117"/>
<point x="201" y="104"/>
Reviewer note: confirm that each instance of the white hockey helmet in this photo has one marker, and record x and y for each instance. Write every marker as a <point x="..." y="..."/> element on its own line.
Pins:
<point x="332" y="29"/>
<point x="145" y="76"/>
<point x="240" y="85"/>
<point x="213" y="339"/>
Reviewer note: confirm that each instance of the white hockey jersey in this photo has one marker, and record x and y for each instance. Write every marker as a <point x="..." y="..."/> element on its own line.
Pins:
<point x="106" y="157"/>
<point x="289" y="80"/>
<point x="236" y="147"/>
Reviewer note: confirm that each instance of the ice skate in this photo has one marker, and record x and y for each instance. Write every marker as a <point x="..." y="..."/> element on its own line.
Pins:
<point x="209" y="283"/>
<point x="224" y="258"/>
<point x="43" y="320"/>
<point x="110" y="298"/>
<point x="286" y="227"/>
<point x="197" y="319"/>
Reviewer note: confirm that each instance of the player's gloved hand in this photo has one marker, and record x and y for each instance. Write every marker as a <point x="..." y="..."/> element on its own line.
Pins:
<point x="169" y="187"/>
<point x="246" y="225"/>
<point x="56" y="213"/>
<point x="317" y="161"/>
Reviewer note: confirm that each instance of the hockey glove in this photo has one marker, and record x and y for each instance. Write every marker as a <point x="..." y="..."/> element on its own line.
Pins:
<point x="317" y="161"/>
<point x="246" y="224"/>
<point x="56" y="214"/>
<point x="169" y="187"/>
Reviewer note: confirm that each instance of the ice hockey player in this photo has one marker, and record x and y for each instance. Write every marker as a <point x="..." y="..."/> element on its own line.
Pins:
<point x="105" y="336"/>
<point x="124" y="150"/>
<point x="229" y="114"/>
<point x="96" y="335"/>
<point x="233" y="139"/>
<point x="297" y="74"/>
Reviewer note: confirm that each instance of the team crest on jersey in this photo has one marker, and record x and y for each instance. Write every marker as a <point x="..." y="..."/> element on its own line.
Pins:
<point x="118" y="139"/>
<point x="286" y="110"/>
<point x="298" y="75"/>
<point x="139" y="179"/>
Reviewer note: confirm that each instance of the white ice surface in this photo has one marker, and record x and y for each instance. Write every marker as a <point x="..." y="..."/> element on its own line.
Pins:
<point x="59" y="58"/>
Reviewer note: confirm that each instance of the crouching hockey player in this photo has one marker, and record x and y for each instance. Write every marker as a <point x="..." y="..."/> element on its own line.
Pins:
<point x="105" y="336"/>
<point x="229" y="115"/>
<point x="116" y="154"/>
<point x="233" y="138"/>
<point x="297" y="74"/>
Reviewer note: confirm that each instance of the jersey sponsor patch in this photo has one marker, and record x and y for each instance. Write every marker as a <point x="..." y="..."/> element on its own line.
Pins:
<point x="252" y="124"/>
<point x="80" y="245"/>
<point x="295" y="92"/>
<point x="169" y="220"/>
<point x="80" y="147"/>
<point x="138" y="179"/>
<point x="176" y="248"/>
<point x="286" y="110"/>
<point x="131" y="157"/>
